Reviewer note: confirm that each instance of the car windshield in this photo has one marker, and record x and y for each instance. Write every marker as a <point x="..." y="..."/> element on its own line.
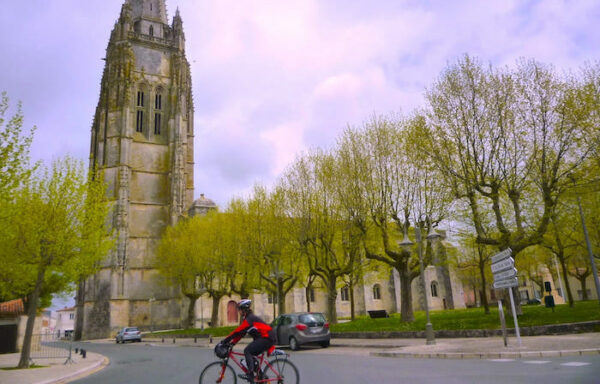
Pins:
<point x="312" y="319"/>
<point x="131" y="330"/>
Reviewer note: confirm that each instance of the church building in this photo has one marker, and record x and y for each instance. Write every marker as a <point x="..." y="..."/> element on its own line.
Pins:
<point x="142" y="144"/>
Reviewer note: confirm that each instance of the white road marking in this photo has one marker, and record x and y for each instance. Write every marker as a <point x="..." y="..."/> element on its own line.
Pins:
<point x="535" y="362"/>
<point x="501" y="360"/>
<point x="575" y="364"/>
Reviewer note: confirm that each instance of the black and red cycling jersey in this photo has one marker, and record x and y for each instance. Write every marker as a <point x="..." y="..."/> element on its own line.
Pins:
<point x="253" y="325"/>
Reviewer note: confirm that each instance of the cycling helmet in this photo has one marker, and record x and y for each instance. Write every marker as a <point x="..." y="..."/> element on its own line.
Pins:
<point x="244" y="305"/>
<point x="221" y="350"/>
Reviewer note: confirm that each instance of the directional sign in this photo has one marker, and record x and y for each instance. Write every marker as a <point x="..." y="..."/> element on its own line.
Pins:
<point x="502" y="255"/>
<point x="505" y="274"/>
<point x="503" y="265"/>
<point x="512" y="282"/>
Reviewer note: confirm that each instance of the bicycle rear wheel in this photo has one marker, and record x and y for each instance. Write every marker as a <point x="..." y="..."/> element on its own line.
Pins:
<point x="283" y="369"/>
<point x="217" y="373"/>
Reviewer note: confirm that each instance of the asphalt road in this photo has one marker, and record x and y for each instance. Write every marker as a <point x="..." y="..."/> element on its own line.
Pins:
<point x="148" y="364"/>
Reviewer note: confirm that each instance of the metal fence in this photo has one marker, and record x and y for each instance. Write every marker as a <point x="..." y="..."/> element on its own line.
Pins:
<point x="51" y="346"/>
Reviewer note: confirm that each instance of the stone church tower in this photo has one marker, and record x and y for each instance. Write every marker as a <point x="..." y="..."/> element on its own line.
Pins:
<point x="142" y="143"/>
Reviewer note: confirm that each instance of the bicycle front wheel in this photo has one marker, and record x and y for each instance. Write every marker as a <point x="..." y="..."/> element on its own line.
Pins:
<point x="283" y="370"/>
<point x="218" y="372"/>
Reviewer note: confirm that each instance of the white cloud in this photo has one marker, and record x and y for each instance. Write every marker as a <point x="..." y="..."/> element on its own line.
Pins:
<point x="272" y="78"/>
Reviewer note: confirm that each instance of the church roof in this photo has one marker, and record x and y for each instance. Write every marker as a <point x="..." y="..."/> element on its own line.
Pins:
<point x="204" y="202"/>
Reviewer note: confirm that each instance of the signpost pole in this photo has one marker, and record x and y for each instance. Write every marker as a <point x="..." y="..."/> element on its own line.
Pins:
<point x="514" y="313"/>
<point x="502" y="322"/>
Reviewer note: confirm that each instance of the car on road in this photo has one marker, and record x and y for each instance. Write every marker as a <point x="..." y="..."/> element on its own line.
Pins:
<point x="128" y="334"/>
<point x="296" y="329"/>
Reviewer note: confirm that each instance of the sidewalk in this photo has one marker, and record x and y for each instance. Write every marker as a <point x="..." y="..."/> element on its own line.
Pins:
<point x="493" y="347"/>
<point x="55" y="370"/>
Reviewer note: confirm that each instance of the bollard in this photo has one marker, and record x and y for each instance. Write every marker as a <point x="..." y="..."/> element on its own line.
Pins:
<point x="83" y="353"/>
<point x="76" y="350"/>
<point x="173" y="340"/>
<point x="210" y="339"/>
<point x="163" y="339"/>
<point x="195" y="339"/>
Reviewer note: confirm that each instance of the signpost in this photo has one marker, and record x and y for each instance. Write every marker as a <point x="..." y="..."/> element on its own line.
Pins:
<point x="505" y="276"/>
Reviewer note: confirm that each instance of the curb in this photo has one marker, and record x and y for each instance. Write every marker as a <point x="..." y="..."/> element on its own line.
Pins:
<point x="79" y="373"/>
<point x="488" y="355"/>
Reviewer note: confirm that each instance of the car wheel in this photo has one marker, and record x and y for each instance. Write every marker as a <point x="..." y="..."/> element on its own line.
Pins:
<point x="325" y="344"/>
<point x="117" y="341"/>
<point x="294" y="346"/>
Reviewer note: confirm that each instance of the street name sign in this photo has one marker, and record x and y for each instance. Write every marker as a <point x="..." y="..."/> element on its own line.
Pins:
<point x="503" y="265"/>
<point x="507" y="283"/>
<point x="505" y="274"/>
<point x="501" y="255"/>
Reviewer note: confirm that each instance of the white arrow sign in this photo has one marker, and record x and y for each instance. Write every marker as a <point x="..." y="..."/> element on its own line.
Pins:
<point x="505" y="274"/>
<point x="512" y="282"/>
<point x="503" y="265"/>
<point x="502" y="255"/>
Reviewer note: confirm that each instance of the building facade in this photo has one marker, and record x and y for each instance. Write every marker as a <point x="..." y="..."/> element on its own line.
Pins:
<point x="374" y="293"/>
<point x="142" y="144"/>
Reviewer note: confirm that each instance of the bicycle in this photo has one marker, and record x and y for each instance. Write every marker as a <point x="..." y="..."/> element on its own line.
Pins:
<point x="278" y="370"/>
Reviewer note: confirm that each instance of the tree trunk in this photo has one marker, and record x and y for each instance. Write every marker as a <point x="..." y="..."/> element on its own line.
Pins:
<point x="31" y="312"/>
<point x="307" y="289"/>
<point x="563" y="266"/>
<point x="583" y="282"/>
<point x="79" y="302"/>
<point x="352" y="305"/>
<point x="331" y="297"/>
<point x="191" y="315"/>
<point x="406" y="308"/>
<point x="280" y="297"/>
<point x="484" y="301"/>
<point x="214" y="316"/>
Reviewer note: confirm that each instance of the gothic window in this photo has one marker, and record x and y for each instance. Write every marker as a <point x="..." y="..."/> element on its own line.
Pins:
<point x="139" y="121"/>
<point x="151" y="30"/>
<point x="139" y="118"/>
<point x="434" y="289"/>
<point x="376" y="292"/>
<point x="345" y="293"/>
<point x="158" y="101"/>
<point x="272" y="299"/>
<point x="157" y="123"/>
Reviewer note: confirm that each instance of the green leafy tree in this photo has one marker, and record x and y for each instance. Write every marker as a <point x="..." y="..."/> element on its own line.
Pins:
<point x="15" y="170"/>
<point x="198" y="255"/>
<point x="506" y="141"/>
<point x="320" y="229"/>
<point x="389" y="189"/>
<point x="58" y="238"/>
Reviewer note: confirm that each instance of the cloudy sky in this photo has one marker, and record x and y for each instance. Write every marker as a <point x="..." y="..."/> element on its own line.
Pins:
<point x="273" y="78"/>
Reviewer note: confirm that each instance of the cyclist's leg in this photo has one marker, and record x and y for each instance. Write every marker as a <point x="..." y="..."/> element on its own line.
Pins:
<point x="255" y="348"/>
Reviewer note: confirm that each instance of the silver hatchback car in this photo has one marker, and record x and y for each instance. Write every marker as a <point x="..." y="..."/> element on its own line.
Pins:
<point x="128" y="334"/>
<point x="297" y="329"/>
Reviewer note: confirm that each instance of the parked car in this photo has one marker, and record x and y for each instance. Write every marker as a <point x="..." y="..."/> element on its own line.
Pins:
<point x="129" y="334"/>
<point x="296" y="329"/>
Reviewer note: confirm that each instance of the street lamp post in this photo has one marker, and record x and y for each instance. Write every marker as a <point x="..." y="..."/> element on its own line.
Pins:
<point x="589" y="248"/>
<point x="277" y="275"/>
<point x="407" y="245"/>
<point x="151" y="300"/>
<point x="202" y="310"/>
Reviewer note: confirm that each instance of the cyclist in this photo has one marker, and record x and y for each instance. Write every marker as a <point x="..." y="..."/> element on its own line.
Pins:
<point x="261" y="332"/>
